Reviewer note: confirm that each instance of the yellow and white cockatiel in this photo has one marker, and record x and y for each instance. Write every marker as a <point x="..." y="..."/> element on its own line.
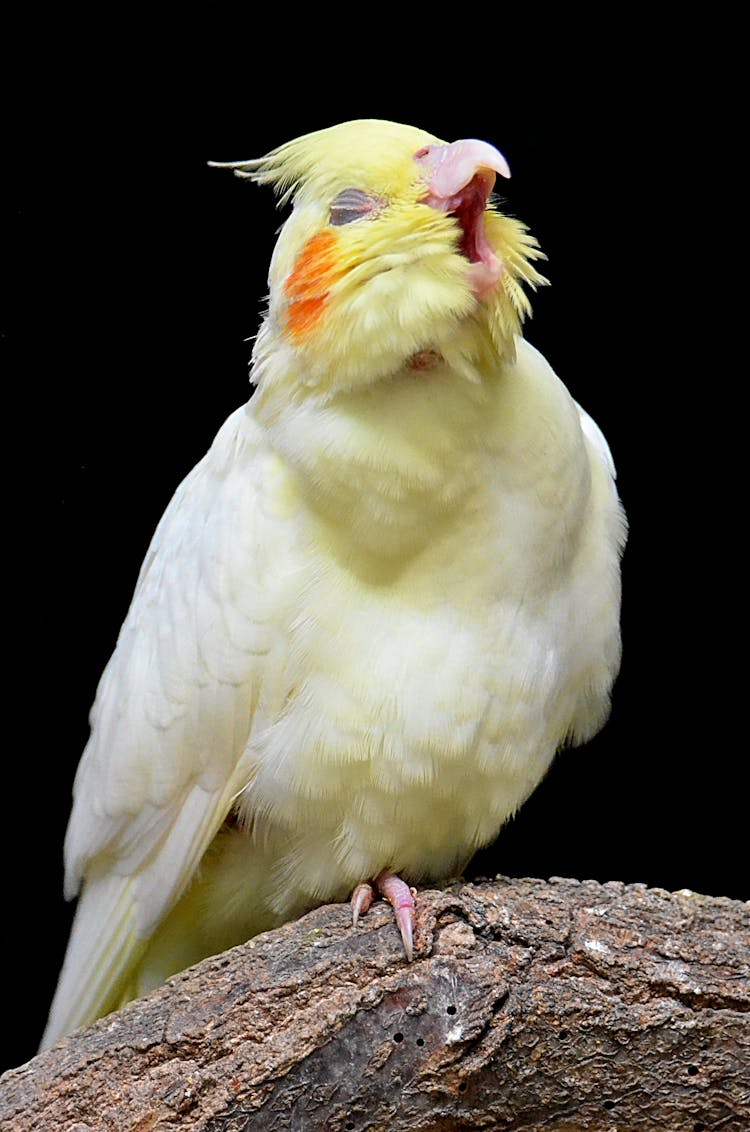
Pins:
<point x="375" y="609"/>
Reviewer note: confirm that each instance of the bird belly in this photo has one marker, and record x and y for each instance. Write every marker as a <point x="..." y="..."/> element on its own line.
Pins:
<point x="406" y="738"/>
<point x="414" y="704"/>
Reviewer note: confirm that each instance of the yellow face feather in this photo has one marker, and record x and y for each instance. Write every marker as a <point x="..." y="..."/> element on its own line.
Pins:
<point x="367" y="153"/>
<point x="357" y="298"/>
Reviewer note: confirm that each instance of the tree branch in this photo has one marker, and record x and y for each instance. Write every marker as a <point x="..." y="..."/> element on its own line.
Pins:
<point x="561" y="1006"/>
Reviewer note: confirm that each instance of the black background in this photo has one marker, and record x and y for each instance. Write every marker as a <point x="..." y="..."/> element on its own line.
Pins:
<point x="136" y="275"/>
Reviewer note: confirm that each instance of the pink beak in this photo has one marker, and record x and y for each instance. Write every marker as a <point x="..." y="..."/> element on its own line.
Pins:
<point x="453" y="166"/>
<point x="461" y="178"/>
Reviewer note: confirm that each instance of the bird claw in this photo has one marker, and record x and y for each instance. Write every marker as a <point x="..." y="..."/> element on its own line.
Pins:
<point x="362" y="899"/>
<point x="401" y="898"/>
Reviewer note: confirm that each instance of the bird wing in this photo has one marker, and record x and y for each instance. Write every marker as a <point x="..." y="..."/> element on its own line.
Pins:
<point x="597" y="440"/>
<point x="171" y="720"/>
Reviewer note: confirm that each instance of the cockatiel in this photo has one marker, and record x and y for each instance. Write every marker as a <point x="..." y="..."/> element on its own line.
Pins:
<point x="377" y="607"/>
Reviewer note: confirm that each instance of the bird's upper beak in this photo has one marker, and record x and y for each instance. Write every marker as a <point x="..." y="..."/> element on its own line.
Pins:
<point x="461" y="177"/>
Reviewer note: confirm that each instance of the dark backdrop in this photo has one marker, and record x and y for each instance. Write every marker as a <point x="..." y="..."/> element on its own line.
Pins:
<point x="138" y="273"/>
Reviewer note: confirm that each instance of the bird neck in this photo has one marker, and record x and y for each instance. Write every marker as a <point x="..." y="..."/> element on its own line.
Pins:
<point x="383" y="465"/>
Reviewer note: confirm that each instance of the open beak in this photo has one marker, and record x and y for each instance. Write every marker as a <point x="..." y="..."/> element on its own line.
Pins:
<point x="461" y="177"/>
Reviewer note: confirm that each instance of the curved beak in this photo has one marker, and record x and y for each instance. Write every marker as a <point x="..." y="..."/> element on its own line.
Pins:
<point x="460" y="178"/>
<point x="451" y="168"/>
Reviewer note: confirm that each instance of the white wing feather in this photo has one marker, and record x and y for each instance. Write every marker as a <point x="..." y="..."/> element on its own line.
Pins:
<point x="597" y="439"/>
<point x="170" y="723"/>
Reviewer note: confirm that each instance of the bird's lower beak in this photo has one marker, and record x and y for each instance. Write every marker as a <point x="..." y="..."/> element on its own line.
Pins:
<point x="461" y="177"/>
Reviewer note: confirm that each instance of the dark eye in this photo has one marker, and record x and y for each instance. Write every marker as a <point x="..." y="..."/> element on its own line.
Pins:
<point x="353" y="204"/>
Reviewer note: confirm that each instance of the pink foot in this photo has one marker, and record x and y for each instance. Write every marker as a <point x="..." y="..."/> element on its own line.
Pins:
<point x="399" y="896"/>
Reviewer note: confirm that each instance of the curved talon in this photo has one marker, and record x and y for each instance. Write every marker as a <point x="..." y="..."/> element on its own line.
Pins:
<point x="362" y="898"/>
<point x="400" y="897"/>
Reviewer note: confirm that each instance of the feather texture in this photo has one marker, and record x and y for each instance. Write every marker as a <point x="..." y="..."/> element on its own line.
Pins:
<point x="372" y="613"/>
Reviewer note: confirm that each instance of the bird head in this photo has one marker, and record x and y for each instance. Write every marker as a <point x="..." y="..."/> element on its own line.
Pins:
<point x="393" y="259"/>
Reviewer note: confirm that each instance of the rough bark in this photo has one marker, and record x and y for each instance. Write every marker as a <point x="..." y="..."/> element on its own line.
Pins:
<point x="560" y="1006"/>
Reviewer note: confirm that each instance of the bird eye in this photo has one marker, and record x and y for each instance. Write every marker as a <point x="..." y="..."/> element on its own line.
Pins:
<point x="353" y="204"/>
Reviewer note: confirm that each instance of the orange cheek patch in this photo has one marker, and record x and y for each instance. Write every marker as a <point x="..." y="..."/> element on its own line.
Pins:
<point x="315" y="270"/>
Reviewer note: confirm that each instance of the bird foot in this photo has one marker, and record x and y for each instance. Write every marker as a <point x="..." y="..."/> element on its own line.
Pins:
<point x="399" y="896"/>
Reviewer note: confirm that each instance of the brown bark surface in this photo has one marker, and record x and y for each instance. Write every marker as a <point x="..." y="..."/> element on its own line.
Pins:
<point x="530" y="1005"/>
